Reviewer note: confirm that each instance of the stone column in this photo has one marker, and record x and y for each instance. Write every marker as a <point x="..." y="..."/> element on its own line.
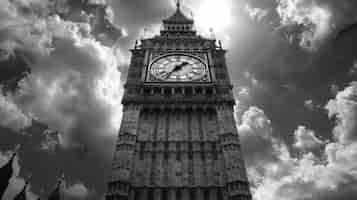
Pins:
<point x="226" y="121"/>
<point x="185" y="194"/>
<point x="199" y="194"/>
<point x="225" y="196"/>
<point x="132" y="194"/>
<point x="157" y="194"/>
<point x="172" y="194"/>
<point x="213" y="194"/>
<point x="130" y="119"/>
<point x="144" y="194"/>
<point x="204" y="91"/>
<point x="172" y="91"/>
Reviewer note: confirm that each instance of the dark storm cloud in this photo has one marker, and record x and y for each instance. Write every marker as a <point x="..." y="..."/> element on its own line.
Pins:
<point x="73" y="88"/>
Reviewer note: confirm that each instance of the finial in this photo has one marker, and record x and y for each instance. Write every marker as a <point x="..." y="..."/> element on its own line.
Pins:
<point x="178" y="4"/>
<point x="145" y="32"/>
<point x="213" y="36"/>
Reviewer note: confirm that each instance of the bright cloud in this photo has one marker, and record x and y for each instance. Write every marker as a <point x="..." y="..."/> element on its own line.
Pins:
<point x="344" y="108"/>
<point x="305" y="22"/>
<point x="278" y="175"/>
<point x="305" y="139"/>
<point x="74" y="86"/>
<point x="76" y="191"/>
<point x="315" y="19"/>
<point x="11" y="116"/>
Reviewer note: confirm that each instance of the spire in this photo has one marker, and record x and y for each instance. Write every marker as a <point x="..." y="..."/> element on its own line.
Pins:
<point x="56" y="193"/>
<point x="178" y="17"/>
<point x="178" y="4"/>
<point x="6" y="172"/>
<point x="22" y="194"/>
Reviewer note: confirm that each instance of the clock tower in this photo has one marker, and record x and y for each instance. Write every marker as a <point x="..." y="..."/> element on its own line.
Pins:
<point x="178" y="138"/>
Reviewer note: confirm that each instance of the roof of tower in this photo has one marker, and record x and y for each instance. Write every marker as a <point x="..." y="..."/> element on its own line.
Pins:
<point x="178" y="17"/>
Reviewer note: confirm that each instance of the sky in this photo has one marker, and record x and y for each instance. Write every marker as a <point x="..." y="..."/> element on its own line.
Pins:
<point x="63" y="67"/>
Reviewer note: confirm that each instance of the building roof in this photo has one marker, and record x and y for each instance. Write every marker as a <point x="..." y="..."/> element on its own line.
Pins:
<point x="178" y="17"/>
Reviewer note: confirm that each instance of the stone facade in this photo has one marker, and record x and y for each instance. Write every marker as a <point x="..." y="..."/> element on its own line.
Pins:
<point x="178" y="141"/>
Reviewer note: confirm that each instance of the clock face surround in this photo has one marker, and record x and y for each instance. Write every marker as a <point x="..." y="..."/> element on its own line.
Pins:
<point x="179" y="68"/>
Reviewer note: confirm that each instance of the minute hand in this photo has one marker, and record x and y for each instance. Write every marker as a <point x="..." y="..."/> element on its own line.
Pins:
<point x="177" y="68"/>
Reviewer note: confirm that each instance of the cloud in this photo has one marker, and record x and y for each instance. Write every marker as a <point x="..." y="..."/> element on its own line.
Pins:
<point x="256" y="13"/>
<point x="12" y="116"/>
<point x="76" y="191"/>
<point x="353" y="70"/>
<point x="312" y="106"/>
<point x="308" y="23"/>
<point x="344" y="109"/>
<point x="314" y="18"/>
<point x="74" y="86"/>
<point x="280" y="175"/>
<point x="255" y="130"/>
<point x="305" y="139"/>
<point x="51" y="141"/>
<point x="309" y="104"/>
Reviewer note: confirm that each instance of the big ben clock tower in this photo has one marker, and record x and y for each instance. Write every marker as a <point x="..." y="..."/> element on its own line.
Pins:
<point x="178" y="138"/>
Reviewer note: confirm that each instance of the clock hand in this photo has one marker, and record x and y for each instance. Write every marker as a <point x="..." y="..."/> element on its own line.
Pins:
<point x="169" y="74"/>
<point x="180" y="66"/>
<point x="177" y="68"/>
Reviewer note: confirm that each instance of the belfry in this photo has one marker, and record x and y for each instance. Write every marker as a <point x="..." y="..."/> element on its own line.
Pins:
<point x="178" y="138"/>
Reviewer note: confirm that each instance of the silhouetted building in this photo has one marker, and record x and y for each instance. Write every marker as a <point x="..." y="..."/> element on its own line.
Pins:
<point x="6" y="174"/>
<point x="178" y="138"/>
<point x="22" y="194"/>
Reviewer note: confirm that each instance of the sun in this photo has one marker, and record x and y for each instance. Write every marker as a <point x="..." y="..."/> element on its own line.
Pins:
<point x="215" y="14"/>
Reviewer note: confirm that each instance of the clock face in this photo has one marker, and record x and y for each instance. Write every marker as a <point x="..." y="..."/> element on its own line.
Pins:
<point x="178" y="68"/>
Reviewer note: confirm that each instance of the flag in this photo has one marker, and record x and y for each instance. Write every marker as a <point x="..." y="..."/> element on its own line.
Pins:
<point x="22" y="194"/>
<point x="5" y="175"/>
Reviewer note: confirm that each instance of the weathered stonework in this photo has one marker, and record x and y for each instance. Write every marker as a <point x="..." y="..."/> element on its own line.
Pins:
<point x="178" y="141"/>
